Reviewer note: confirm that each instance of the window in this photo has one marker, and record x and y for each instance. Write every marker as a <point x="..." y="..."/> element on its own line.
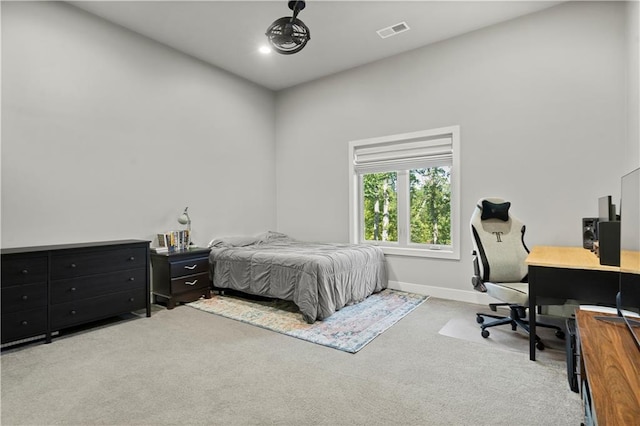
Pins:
<point x="404" y="193"/>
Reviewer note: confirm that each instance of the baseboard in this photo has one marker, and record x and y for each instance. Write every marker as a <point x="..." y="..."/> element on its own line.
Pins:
<point x="468" y="296"/>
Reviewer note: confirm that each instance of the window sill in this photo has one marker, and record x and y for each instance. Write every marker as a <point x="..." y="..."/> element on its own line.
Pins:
<point x="420" y="252"/>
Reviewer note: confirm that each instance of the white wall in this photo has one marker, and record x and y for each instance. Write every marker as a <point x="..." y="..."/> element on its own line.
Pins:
<point x="99" y="123"/>
<point x="632" y="152"/>
<point x="109" y="135"/>
<point x="541" y="105"/>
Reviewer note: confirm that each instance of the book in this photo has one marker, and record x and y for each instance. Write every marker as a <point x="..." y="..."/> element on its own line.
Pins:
<point x="174" y="240"/>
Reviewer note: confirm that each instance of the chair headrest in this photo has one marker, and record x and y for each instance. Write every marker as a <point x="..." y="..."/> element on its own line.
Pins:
<point x="494" y="208"/>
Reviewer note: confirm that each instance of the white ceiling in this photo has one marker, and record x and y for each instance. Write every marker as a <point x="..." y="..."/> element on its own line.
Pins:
<point x="228" y="34"/>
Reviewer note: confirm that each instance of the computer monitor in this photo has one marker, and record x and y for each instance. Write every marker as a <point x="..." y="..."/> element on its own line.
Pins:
<point x="629" y="292"/>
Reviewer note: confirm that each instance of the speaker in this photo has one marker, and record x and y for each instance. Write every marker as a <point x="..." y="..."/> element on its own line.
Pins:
<point x="609" y="243"/>
<point x="589" y="232"/>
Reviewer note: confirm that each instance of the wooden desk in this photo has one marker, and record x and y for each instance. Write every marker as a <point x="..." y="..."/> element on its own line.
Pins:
<point x="566" y="257"/>
<point x="567" y="273"/>
<point x="610" y="370"/>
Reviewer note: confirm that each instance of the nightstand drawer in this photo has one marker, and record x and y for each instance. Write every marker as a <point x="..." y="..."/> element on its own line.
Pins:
<point x="18" y="325"/>
<point x="23" y="297"/>
<point x="189" y="267"/>
<point x="96" y="285"/>
<point x="18" y="269"/>
<point x="190" y="283"/>
<point x="95" y="262"/>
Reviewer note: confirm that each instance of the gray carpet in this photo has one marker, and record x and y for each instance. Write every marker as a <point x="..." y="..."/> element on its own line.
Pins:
<point x="185" y="366"/>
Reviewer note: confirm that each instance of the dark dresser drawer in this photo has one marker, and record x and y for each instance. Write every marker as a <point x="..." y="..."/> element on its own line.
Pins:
<point x="190" y="283"/>
<point x="81" y="311"/>
<point x="76" y="264"/>
<point x="189" y="267"/>
<point x="24" y="297"/>
<point x="23" y="269"/>
<point x="23" y="324"/>
<point x="96" y="285"/>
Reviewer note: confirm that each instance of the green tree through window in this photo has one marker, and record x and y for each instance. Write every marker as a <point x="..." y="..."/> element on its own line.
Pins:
<point x="380" y="206"/>
<point x="430" y="201"/>
<point x="430" y="206"/>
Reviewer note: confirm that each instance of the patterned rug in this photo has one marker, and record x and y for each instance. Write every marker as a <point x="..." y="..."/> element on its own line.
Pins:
<point x="349" y="329"/>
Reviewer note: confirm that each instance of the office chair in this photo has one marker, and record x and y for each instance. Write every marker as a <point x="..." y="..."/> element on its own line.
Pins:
<point x="499" y="265"/>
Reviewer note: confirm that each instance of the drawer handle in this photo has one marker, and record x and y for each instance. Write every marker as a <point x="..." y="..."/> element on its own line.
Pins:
<point x="72" y="289"/>
<point x="24" y="271"/>
<point x="73" y="265"/>
<point x="131" y="299"/>
<point x="132" y="278"/>
<point x="24" y="323"/>
<point x="191" y="283"/>
<point x="191" y="268"/>
<point x="72" y="312"/>
<point x="25" y="297"/>
<point x="132" y="258"/>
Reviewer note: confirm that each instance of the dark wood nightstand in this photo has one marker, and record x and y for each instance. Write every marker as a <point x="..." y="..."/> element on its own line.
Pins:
<point x="181" y="276"/>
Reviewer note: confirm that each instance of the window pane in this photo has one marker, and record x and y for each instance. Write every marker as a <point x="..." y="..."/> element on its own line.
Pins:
<point x="430" y="198"/>
<point x="380" y="206"/>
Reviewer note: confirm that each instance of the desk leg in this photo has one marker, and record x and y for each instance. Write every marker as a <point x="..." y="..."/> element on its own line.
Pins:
<point x="532" y="314"/>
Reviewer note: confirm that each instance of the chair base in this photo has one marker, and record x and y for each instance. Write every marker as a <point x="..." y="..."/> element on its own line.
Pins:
<point x="516" y="318"/>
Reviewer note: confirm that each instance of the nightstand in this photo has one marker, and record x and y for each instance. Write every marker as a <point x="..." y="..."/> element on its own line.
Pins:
<point x="181" y="276"/>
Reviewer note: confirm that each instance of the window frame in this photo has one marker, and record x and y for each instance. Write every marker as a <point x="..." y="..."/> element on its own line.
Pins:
<point x="404" y="246"/>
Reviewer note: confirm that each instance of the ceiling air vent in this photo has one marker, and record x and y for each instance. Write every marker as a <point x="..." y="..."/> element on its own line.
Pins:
<point x="393" y="30"/>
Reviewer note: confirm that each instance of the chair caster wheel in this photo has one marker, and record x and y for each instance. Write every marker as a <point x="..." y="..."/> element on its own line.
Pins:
<point x="485" y="333"/>
<point x="540" y="345"/>
<point x="479" y="319"/>
<point x="514" y="327"/>
<point x="560" y="334"/>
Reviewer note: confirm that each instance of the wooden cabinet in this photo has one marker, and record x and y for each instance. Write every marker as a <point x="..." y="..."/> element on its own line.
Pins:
<point x="181" y="276"/>
<point x="49" y="288"/>
<point x="609" y="371"/>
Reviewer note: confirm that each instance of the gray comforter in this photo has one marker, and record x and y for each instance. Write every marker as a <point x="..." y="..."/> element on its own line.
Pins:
<point x="320" y="278"/>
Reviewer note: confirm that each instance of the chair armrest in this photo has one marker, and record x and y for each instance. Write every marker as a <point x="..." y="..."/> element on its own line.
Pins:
<point x="476" y="280"/>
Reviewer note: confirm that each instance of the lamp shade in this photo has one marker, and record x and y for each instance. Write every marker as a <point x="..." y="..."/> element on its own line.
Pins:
<point x="184" y="219"/>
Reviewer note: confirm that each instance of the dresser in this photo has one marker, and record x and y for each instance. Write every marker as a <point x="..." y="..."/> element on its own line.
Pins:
<point x="50" y="288"/>
<point x="181" y="276"/>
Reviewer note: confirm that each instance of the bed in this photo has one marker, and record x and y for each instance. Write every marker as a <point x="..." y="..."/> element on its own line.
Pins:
<point x="320" y="278"/>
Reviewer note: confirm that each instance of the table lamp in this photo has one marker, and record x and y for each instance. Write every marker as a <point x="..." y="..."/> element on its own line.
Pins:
<point x="184" y="219"/>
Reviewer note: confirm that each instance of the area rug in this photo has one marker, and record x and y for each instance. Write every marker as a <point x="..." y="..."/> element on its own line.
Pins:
<point x="348" y="329"/>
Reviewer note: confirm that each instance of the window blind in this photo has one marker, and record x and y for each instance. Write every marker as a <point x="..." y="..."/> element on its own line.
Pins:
<point x="407" y="155"/>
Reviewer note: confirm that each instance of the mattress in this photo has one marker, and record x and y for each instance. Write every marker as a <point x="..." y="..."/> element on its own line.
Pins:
<point x="320" y="278"/>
